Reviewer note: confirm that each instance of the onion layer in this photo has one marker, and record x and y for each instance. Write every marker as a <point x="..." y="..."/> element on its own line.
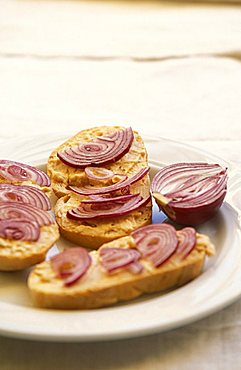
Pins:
<point x="15" y="229"/>
<point x="107" y="209"/>
<point x="98" y="174"/>
<point x="19" y="172"/>
<point x="20" y="211"/>
<point x="121" y="186"/>
<point x="115" y="258"/>
<point x="190" y="193"/>
<point x="71" y="264"/>
<point x="156" y="242"/>
<point x="102" y="150"/>
<point x="108" y="199"/>
<point x="186" y="241"/>
<point x="24" y="194"/>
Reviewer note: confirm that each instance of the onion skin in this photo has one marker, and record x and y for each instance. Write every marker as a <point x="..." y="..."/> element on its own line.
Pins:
<point x="100" y="151"/>
<point x="195" y="217"/>
<point x="71" y="264"/>
<point x="17" y="172"/>
<point x="24" y="194"/>
<point x="190" y="193"/>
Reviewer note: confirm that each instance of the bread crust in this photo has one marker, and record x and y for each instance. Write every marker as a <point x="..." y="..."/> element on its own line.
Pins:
<point x="20" y="254"/>
<point x="97" y="288"/>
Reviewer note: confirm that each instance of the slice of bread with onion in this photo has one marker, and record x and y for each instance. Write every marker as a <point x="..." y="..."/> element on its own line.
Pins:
<point x="20" y="254"/>
<point x="120" y="270"/>
<point x="93" y="233"/>
<point x="27" y="227"/>
<point x="17" y="173"/>
<point x="108" y="163"/>
<point x="26" y="234"/>
<point x="63" y="175"/>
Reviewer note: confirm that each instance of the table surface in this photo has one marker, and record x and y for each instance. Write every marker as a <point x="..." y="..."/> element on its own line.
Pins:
<point x="166" y="68"/>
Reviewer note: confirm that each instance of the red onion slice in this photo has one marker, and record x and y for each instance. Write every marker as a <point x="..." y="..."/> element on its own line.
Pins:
<point x="190" y="193"/>
<point x="102" y="150"/>
<point x="98" y="210"/>
<point x="24" y="194"/>
<point x="15" y="229"/>
<point x="20" y="211"/>
<point x="186" y="241"/>
<point x="98" y="174"/>
<point x="20" y="172"/>
<point x="71" y="264"/>
<point x="135" y="267"/>
<point x="156" y="242"/>
<point x="121" y="186"/>
<point x="101" y="200"/>
<point x="115" y="258"/>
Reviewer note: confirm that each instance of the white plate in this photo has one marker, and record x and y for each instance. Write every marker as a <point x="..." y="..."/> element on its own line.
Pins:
<point x="218" y="285"/>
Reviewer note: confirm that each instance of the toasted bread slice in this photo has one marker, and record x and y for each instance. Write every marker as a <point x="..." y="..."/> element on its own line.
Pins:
<point x="92" y="234"/>
<point x="20" y="254"/>
<point x="63" y="175"/>
<point x="98" y="288"/>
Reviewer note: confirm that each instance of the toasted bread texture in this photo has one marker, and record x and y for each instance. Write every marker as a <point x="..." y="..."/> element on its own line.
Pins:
<point x="98" y="288"/>
<point x="63" y="175"/>
<point x="20" y="254"/>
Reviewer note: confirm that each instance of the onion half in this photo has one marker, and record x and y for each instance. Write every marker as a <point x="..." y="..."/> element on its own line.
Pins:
<point x="20" y="172"/>
<point x="102" y="150"/>
<point x="24" y="194"/>
<point x="95" y="209"/>
<point x="190" y="193"/>
<point x="157" y="242"/>
<point x="123" y="186"/>
<point x="71" y="264"/>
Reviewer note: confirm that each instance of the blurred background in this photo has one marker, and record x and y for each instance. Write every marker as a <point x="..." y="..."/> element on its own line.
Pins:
<point x="166" y="67"/>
